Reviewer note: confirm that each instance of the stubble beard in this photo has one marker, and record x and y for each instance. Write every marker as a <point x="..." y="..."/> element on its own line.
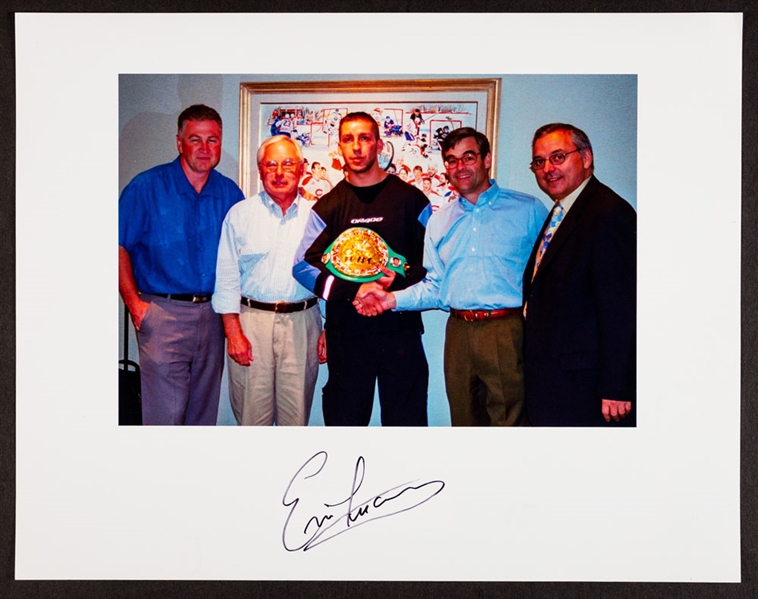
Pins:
<point x="368" y="166"/>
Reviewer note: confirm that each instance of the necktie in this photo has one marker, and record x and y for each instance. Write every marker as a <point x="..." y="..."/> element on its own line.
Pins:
<point x="555" y="220"/>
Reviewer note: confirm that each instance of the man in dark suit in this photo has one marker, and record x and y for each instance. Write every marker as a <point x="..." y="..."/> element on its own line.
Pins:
<point x="580" y="287"/>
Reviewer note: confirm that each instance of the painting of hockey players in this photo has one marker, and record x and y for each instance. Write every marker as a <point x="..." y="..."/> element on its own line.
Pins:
<point x="410" y="134"/>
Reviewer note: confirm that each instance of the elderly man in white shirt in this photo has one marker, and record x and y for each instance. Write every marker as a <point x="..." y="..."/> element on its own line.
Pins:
<point x="272" y="323"/>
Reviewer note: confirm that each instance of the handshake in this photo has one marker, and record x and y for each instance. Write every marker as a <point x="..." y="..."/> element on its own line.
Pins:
<point x="373" y="298"/>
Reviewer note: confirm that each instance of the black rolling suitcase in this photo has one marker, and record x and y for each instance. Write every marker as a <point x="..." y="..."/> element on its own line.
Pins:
<point x="129" y="390"/>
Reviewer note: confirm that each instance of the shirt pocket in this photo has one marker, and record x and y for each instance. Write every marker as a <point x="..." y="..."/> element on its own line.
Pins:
<point x="249" y="261"/>
<point x="503" y="239"/>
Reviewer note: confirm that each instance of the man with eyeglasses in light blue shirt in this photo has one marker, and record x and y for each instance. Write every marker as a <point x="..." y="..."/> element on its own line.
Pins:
<point x="475" y="252"/>
<point x="272" y="323"/>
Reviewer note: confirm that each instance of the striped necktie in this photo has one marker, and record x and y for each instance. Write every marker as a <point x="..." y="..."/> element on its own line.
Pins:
<point x="555" y="220"/>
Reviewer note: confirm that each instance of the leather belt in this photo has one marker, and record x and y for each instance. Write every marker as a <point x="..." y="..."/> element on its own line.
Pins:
<point x="480" y="315"/>
<point x="279" y="307"/>
<point x="187" y="297"/>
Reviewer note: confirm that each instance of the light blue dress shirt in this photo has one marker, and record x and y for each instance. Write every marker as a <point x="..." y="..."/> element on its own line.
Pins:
<point x="256" y="251"/>
<point x="475" y="254"/>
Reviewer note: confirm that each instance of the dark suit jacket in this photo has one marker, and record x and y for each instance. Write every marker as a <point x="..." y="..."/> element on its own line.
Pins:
<point x="580" y="329"/>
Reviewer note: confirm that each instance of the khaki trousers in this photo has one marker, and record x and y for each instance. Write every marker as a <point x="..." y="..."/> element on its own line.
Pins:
<point x="484" y="372"/>
<point x="277" y="388"/>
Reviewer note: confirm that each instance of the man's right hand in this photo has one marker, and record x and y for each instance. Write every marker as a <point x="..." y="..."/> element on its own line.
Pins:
<point x="137" y="312"/>
<point x="237" y="345"/>
<point x="127" y="286"/>
<point x="372" y="299"/>
<point x="239" y="349"/>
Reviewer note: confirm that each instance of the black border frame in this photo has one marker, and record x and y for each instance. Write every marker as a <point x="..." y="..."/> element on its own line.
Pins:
<point x="10" y="588"/>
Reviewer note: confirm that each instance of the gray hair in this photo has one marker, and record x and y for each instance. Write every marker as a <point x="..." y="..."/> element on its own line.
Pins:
<point x="578" y="137"/>
<point x="275" y="140"/>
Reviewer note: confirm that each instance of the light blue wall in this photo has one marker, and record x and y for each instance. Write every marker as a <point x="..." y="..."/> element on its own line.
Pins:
<point x="604" y="106"/>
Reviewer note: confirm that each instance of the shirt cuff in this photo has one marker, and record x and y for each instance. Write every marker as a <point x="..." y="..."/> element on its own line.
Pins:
<point x="403" y="301"/>
<point x="224" y="304"/>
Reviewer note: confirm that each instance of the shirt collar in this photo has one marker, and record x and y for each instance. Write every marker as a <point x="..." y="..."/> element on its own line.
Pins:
<point x="486" y="197"/>
<point x="211" y="187"/>
<point x="569" y="200"/>
<point x="274" y="208"/>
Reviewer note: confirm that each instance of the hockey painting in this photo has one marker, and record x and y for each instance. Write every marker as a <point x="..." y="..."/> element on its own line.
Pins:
<point x="411" y="127"/>
<point x="410" y="132"/>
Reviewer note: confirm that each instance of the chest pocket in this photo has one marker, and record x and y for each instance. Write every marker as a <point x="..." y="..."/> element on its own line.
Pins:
<point x="252" y="251"/>
<point x="509" y="245"/>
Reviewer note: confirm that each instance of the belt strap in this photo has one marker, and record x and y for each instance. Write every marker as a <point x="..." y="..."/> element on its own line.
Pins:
<point x="279" y="307"/>
<point x="481" y="315"/>
<point x="200" y="298"/>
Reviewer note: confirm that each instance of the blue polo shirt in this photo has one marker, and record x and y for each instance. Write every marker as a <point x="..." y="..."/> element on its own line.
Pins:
<point x="170" y="231"/>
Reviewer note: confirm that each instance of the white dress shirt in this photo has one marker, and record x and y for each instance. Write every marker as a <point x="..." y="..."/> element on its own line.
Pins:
<point x="256" y="252"/>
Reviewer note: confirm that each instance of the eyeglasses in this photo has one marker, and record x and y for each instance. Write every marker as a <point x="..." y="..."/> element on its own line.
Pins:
<point x="555" y="159"/>
<point x="467" y="159"/>
<point x="288" y="165"/>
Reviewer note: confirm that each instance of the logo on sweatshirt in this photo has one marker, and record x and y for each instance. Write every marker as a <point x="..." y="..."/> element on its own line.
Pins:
<point x="365" y="221"/>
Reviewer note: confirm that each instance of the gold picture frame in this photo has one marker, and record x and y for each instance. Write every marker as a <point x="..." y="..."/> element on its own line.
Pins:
<point x="309" y="110"/>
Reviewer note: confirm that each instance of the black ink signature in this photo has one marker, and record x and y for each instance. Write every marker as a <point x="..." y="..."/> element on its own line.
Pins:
<point x="346" y="514"/>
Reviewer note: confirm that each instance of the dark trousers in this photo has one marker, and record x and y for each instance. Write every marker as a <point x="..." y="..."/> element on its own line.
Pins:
<point x="395" y="360"/>
<point x="484" y="372"/>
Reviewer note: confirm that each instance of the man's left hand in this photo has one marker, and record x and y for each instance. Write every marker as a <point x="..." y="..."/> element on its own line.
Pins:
<point x="616" y="410"/>
<point x="387" y="279"/>
<point x="322" y="348"/>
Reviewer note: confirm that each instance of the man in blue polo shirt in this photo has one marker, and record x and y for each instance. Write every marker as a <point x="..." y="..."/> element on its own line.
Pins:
<point x="169" y="226"/>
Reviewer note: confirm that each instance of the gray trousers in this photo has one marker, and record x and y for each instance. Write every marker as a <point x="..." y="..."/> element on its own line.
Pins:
<point x="181" y="355"/>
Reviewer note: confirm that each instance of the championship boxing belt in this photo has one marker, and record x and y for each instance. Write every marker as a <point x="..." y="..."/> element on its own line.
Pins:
<point x="359" y="254"/>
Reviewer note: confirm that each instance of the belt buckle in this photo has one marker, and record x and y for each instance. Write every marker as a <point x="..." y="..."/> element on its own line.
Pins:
<point x="469" y="316"/>
<point x="196" y="299"/>
<point x="276" y="306"/>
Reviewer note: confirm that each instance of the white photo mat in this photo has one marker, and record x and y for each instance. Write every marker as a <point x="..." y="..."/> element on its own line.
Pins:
<point x="656" y="503"/>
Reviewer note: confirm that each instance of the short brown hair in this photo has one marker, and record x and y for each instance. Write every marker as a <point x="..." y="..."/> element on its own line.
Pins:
<point x="456" y="135"/>
<point x="360" y="116"/>
<point x="198" y="112"/>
